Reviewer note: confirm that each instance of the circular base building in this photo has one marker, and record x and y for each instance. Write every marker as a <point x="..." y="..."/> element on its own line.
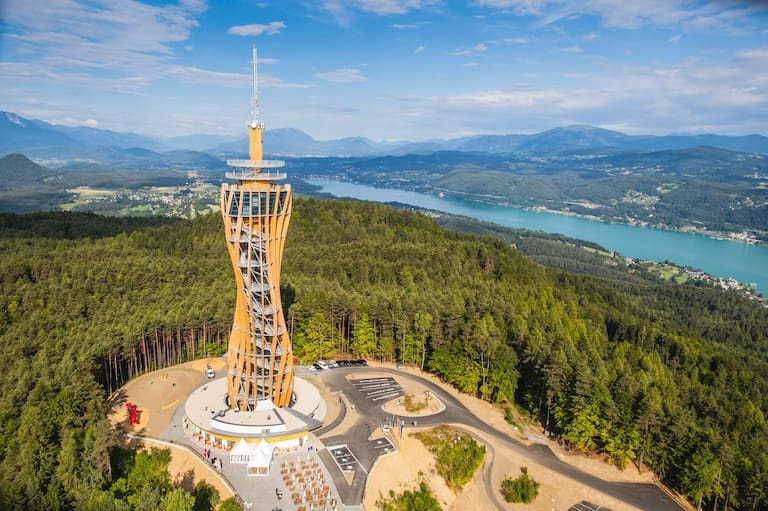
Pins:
<point x="251" y="436"/>
<point x="214" y="423"/>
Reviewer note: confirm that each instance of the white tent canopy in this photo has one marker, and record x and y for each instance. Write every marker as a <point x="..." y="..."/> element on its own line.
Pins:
<point x="240" y="453"/>
<point x="260" y="459"/>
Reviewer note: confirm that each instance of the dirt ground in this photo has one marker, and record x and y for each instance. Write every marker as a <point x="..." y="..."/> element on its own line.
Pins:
<point x="187" y="470"/>
<point x="413" y="463"/>
<point x="157" y="395"/>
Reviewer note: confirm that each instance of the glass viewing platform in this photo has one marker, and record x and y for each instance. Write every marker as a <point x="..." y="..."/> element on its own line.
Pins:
<point x="253" y="170"/>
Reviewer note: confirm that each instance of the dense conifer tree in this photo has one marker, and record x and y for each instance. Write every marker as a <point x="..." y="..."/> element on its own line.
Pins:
<point x="669" y="377"/>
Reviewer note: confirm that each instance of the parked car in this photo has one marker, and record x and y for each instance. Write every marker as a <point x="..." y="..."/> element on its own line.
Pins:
<point x="322" y="364"/>
<point x="332" y="364"/>
<point x="210" y="373"/>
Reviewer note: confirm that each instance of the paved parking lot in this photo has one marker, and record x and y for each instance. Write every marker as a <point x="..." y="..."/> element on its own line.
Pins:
<point x="382" y="446"/>
<point x="360" y="394"/>
<point x="344" y="458"/>
<point x="587" y="506"/>
<point x="379" y="389"/>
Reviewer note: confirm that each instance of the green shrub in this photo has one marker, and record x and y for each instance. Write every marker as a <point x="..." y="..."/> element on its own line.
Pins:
<point x="416" y="500"/>
<point x="509" y="416"/>
<point x="412" y="406"/>
<point x="458" y="455"/>
<point x="523" y="489"/>
<point x="230" y="505"/>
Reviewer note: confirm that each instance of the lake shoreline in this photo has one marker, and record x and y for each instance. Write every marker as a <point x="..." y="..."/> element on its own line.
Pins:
<point x="744" y="262"/>
<point x="742" y="237"/>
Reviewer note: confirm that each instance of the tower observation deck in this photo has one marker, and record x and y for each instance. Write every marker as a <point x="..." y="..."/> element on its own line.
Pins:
<point x="256" y="209"/>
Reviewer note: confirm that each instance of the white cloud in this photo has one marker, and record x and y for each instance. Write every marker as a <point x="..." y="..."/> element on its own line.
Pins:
<point x="418" y="50"/>
<point x="591" y="36"/>
<point x="690" y="96"/>
<point x="572" y="49"/>
<point x="257" y="29"/>
<point x="546" y="99"/>
<point x="337" y="9"/>
<point x="471" y="64"/>
<point x="273" y="82"/>
<point x="478" y="49"/>
<point x="111" y="46"/>
<point x="754" y="54"/>
<point x="630" y="15"/>
<point x="91" y="123"/>
<point x="674" y="39"/>
<point x="515" y="40"/>
<point x="191" y="74"/>
<point x="124" y="37"/>
<point x="343" y="10"/>
<point x="344" y="75"/>
<point x="127" y="26"/>
<point x="385" y="7"/>
<point x="519" y="7"/>
<point x="409" y="26"/>
<point x="41" y="73"/>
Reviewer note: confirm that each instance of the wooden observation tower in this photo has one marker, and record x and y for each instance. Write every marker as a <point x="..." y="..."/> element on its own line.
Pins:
<point x="256" y="209"/>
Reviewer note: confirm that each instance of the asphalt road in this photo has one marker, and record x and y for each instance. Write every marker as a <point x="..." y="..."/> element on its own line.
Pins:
<point x="643" y="496"/>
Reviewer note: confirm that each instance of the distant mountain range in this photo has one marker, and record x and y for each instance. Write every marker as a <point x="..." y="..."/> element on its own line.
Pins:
<point x="571" y="140"/>
<point x="294" y="142"/>
<point x="567" y="141"/>
<point x="42" y="140"/>
<point x="64" y="146"/>
<point x="17" y="133"/>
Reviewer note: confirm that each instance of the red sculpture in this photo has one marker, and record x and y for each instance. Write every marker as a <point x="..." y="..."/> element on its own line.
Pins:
<point x="133" y="410"/>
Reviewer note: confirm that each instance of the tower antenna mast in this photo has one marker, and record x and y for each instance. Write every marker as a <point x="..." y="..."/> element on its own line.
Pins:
<point x="255" y="116"/>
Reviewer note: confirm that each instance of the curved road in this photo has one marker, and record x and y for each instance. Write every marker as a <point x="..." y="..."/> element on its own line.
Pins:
<point x="493" y="496"/>
<point x="643" y="496"/>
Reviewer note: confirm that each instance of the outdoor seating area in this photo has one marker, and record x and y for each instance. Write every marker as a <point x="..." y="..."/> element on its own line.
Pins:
<point x="307" y="485"/>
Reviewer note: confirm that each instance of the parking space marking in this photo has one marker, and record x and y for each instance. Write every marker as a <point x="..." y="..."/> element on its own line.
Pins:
<point x="345" y="458"/>
<point x="374" y="395"/>
<point x="378" y="389"/>
<point x="387" y="396"/>
<point x="587" y="506"/>
<point x="370" y="380"/>
<point x="382" y="445"/>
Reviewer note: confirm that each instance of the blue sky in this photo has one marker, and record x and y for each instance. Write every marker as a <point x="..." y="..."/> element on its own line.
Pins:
<point x="388" y="69"/>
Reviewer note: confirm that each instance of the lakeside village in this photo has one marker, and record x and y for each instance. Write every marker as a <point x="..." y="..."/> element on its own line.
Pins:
<point x="668" y="271"/>
<point x="752" y="237"/>
<point x="692" y="276"/>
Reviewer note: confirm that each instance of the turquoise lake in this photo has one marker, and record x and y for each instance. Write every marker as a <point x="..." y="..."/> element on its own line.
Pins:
<point x="744" y="262"/>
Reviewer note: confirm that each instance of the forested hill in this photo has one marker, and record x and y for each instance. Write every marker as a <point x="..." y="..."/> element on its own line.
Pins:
<point x="675" y="378"/>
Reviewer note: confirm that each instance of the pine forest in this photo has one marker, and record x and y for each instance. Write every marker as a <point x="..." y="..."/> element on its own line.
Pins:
<point x="667" y="377"/>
